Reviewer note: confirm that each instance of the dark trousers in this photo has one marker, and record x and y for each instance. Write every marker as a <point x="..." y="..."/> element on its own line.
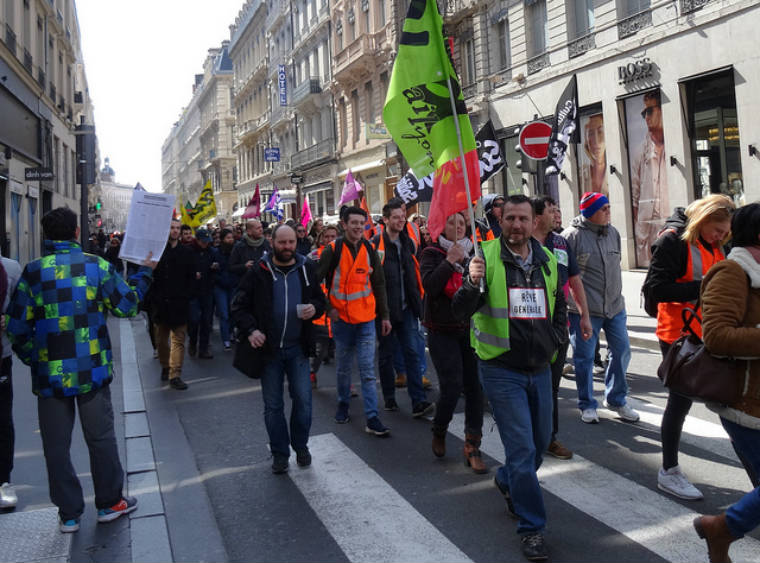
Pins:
<point x="557" y="367"/>
<point x="407" y="333"/>
<point x="457" y="369"/>
<point x="7" y="434"/>
<point x="199" y="324"/>
<point x="673" y="418"/>
<point x="321" y="336"/>
<point x="56" y="418"/>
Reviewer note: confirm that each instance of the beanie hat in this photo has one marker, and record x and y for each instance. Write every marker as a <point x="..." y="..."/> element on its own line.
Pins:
<point x="591" y="202"/>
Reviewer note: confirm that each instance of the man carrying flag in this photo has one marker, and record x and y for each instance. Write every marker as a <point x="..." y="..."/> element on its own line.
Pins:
<point x="426" y="115"/>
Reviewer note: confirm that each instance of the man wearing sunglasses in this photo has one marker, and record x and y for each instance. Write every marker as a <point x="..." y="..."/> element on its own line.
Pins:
<point x="649" y="181"/>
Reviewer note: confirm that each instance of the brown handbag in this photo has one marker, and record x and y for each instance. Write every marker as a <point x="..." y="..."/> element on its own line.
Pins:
<point x="690" y="370"/>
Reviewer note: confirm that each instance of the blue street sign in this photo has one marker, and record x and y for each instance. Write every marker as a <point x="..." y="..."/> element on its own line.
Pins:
<point x="282" y="85"/>
<point x="272" y="154"/>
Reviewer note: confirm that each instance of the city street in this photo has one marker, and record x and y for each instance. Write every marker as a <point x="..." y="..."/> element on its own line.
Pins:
<point x="364" y="498"/>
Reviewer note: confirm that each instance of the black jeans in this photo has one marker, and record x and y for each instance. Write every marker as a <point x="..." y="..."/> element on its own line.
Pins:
<point x="321" y="335"/>
<point x="672" y="421"/>
<point x="457" y="369"/>
<point x="557" y="367"/>
<point x="199" y="325"/>
<point x="56" y="418"/>
<point x="7" y="434"/>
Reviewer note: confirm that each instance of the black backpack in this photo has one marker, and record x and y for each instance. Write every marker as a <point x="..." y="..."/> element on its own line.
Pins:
<point x="647" y="299"/>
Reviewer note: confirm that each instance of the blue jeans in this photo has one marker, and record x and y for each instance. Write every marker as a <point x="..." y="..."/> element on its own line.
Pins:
<point x="222" y="299"/>
<point x="744" y="516"/>
<point x="356" y="340"/>
<point x="619" y="356"/>
<point x="199" y="324"/>
<point x="522" y="409"/>
<point x="290" y="362"/>
<point x="398" y="355"/>
<point x="407" y="334"/>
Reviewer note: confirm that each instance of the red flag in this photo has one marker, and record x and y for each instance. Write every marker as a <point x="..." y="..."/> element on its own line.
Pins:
<point x="369" y="226"/>
<point x="449" y="194"/>
<point x="253" y="209"/>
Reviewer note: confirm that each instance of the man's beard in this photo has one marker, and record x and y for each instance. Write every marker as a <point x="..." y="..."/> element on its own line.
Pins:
<point x="283" y="255"/>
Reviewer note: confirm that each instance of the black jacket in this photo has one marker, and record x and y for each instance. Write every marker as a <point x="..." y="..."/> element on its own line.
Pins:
<point x="172" y="288"/>
<point x="393" y="280"/>
<point x="436" y="272"/>
<point x="252" y="307"/>
<point x="242" y="252"/>
<point x="204" y="257"/>
<point x="670" y="256"/>
<point x="532" y="342"/>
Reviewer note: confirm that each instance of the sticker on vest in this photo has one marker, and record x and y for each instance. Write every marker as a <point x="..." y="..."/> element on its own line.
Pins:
<point x="527" y="303"/>
<point x="561" y="256"/>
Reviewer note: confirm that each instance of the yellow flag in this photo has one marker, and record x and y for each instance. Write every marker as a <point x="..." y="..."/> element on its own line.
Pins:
<point x="204" y="210"/>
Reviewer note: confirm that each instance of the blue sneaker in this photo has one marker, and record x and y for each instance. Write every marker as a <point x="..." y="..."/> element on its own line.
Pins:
<point x="68" y="526"/>
<point x="124" y="506"/>
<point x="341" y="415"/>
<point x="374" y="426"/>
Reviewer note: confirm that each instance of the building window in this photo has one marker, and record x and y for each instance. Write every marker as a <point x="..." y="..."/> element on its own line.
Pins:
<point x="343" y="123"/>
<point x="584" y="17"/>
<point x="355" y="121"/>
<point x="468" y="64"/>
<point x="537" y="27"/>
<point x="370" y="102"/>
<point x="505" y="54"/>
<point x="380" y="13"/>
<point x="384" y="85"/>
<point x="633" y="7"/>
<point x="338" y="35"/>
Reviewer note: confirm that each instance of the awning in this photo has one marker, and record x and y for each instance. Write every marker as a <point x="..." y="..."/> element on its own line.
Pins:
<point x="363" y="167"/>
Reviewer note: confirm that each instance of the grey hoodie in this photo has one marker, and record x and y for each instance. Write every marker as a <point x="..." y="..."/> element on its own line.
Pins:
<point x="597" y="249"/>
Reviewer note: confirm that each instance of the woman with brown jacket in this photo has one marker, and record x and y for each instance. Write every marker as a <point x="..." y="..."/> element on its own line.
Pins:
<point x="731" y="327"/>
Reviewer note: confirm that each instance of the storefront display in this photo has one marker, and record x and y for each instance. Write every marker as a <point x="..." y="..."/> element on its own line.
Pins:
<point x="592" y="154"/>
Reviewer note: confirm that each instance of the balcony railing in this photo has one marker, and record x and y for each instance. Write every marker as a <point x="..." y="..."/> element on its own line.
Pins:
<point x="322" y="150"/>
<point x="470" y="90"/>
<point x="28" y="64"/>
<point x="538" y="62"/>
<point x="633" y="24"/>
<point x="10" y="39"/>
<point x="688" y="6"/>
<point x="580" y="45"/>
<point x="305" y="88"/>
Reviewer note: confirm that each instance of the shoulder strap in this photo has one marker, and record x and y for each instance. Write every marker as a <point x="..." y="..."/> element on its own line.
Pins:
<point x="334" y="261"/>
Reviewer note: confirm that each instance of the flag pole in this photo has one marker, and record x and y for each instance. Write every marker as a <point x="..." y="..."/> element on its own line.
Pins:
<point x="463" y="162"/>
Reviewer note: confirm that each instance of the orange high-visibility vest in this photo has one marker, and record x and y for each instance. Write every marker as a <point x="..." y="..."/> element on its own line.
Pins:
<point x="414" y="233"/>
<point x="669" y="321"/>
<point x="381" y="253"/>
<point x="350" y="289"/>
<point x="324" y="320"/>
<point x="479" y="235"/>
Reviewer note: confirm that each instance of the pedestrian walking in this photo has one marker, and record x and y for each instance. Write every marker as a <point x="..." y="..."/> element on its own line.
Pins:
<point x="249" y="250"/>
<point x="273" y="308"/>
<point x="455" y="363"/>
<point x="170" y="296"/>
<point x="202" y="299"/>
<point x="570" y="282"/>
<point x="71" y="366"/>
<point x="592" y="236"/>
<point x="352" y="270"/>
<point x="518" y="324"/>
<point x="10" y="273"/>
<point x="321" y="326"/>
<point x="681" y="256"/>
<point x="403" y="285"/>
<point x="225" y="282"/>
<point x="731" y="327"/>
<point x="304" y="241"/>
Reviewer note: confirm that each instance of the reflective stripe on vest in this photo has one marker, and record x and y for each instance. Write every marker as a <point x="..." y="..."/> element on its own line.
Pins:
<point x="698" y="262"/>
<point x="351" y="290"/>
<point x="489" y="334"/>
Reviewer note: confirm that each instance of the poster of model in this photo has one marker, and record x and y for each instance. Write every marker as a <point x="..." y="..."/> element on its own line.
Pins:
<point x="593" y="154"/>
<point x="649" y="178"/>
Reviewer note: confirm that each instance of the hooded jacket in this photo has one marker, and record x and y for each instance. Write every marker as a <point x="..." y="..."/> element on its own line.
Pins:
<point x="244" y="250"/>
<point x="731" y="327"/>
<point x="597" y="250"/>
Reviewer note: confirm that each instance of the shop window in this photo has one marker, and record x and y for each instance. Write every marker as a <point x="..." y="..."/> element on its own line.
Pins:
<point x="714" y="131"/>
<point x="648" y="164"/>
<point x="592" y="152"/>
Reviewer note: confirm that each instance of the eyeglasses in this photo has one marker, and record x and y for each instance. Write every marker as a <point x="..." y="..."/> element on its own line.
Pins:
<point x="498" y="204"/>
<point x="648" y="111"/>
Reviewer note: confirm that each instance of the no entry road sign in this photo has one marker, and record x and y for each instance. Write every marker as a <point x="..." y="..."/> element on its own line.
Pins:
<point x="534" y="139"/>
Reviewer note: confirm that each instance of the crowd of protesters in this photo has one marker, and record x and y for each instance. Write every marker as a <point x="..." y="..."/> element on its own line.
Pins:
<point x="500" y="304"/>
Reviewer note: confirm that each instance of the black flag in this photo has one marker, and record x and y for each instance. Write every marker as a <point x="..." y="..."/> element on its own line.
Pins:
<point x="564" y="127"/>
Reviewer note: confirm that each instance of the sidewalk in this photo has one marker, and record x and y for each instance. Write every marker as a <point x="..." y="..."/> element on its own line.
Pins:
<point x="641" y="326"/>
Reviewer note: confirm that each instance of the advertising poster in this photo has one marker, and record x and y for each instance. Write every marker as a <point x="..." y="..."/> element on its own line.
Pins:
<point x="593" y="155"/>
<point x="647" y="162"/>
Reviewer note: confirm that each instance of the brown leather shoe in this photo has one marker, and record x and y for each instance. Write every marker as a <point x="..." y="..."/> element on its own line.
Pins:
<point x="401" y="380"/>
<point x="439" y="441"/>
<point x="472" y="457"/>
<point x="559" y="451"/>
<point x="715" y="531"/>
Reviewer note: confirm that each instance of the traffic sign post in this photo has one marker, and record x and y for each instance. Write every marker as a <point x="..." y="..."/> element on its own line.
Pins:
<point x="534" y="140"/>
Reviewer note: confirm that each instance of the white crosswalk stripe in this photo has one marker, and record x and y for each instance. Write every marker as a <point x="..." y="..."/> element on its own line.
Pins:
<point x="641" y="514"/>
<point x="369" y="519"/>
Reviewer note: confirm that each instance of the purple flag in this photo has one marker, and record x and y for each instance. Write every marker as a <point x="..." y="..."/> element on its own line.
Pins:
<point x="351" y="189"/>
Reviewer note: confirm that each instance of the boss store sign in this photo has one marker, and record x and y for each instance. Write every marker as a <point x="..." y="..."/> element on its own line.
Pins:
<point x="635" y="71"/>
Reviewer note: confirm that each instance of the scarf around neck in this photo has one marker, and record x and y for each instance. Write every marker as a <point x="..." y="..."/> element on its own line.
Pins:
<point x="255" y="243"/>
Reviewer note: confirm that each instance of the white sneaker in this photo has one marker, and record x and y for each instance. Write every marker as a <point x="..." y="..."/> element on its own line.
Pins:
<point x="625" y="412"/>
<point x="673" y="481"/>
<point x="8" y="498"/>
<point x="589" y="416"/>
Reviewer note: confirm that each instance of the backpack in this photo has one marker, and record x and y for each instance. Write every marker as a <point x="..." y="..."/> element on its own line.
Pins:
<point x="649" y="303"/>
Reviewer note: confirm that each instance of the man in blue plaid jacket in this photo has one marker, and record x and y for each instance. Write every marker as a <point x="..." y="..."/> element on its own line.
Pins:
<point x="56" y="325"/>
